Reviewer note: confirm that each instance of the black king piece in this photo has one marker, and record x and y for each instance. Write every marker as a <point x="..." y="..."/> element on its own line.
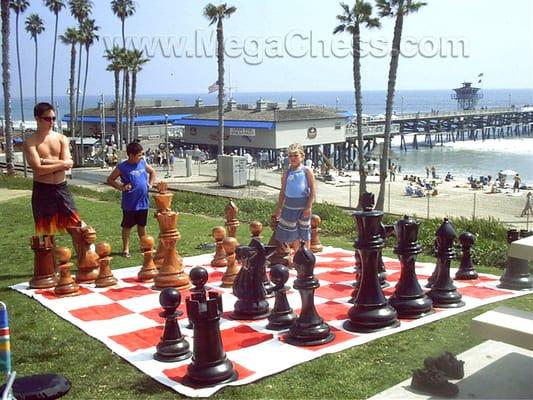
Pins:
<point x="370" y="312"/>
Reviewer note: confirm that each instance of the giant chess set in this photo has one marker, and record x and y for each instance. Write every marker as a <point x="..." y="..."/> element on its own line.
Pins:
<point x="248" y="311"/>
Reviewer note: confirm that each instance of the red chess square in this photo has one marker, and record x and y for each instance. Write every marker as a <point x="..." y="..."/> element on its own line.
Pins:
<point x="127" y="292"/>
<point x="242" y="336"/>
<point x="340" y="336"/>
<point x="153" y="314"/>
<point x="337" y="254"/>
<point x="177" y="374"/>
<point x="389" y="290"/>
<point x="395" y="277"/>
<point x="336" y="276"/>
<point x="479" y="279"/>
<point x="335" y="263"/>
<point x="133" y="279"/>
<point x="99" y="313"/>
<point x="216" y="276"/>
<point x="50" y="295"/>
<point x="331" y="310"/>
<point x="481" y="292"/>
<point x="394" y="265"/>
<point x="334" y="291"/>
<point x="141" y="339"/>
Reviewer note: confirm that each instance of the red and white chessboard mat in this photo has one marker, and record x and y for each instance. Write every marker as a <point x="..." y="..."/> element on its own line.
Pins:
<point x="126" y="318"/>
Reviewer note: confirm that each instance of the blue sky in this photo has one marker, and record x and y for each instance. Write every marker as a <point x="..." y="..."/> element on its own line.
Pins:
<point x="280" y="45"/>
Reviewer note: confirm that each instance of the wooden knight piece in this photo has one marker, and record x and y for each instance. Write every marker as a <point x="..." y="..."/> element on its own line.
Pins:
<point x="148" y="270"/>
<point x="67" y="286"/>
<point x="87" y="257"/>
<point x="219" y="259"/>
<point x="316" y="246"/>
<point x="230" y="244"/>
<point x="105" y="277"/>
<point x="231" y="211"/>
<point x="281" y="256"/>
<point x="43" y="263"/>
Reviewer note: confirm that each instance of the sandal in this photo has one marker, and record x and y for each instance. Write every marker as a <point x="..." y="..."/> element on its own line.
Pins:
<point x="448" y="364"/>
<point x="432" y="381"/>
<point x="126" y="254"/>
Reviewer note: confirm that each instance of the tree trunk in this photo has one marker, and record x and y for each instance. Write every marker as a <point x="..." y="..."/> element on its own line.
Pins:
<point x="127" y="103"/>
<point x="359" y="111"/>
<point x="393" y="68"/>
<point x="132" y="104"/>
<point x="83" y="97"/>
<point x="117" y="107"/>
<point x="71" y="90"/>
<point x="121" y="113"/>
<point x="220" y="57"/>
<point x="19" y="69"/>
<point x="8" y="133"/>
<point x="78" y="85"/>
<point x="122" y="97"/>
<point x="35" y="72"/>
<point x="54" y="62"/>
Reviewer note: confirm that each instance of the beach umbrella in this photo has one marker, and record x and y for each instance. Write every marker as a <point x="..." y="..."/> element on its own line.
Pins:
<point x="508" y="172"/>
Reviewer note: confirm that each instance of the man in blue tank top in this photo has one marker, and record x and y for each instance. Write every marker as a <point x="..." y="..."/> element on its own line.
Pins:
<point x="136" y="178"/>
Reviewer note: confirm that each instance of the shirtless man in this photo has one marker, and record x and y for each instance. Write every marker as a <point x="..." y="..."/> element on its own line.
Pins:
<point x="48" y="155"/>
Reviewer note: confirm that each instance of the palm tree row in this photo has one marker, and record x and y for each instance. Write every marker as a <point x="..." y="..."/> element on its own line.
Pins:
<point x="6" y="80"/>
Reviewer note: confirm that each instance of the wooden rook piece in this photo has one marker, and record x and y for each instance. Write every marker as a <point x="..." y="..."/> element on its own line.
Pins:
<point x="105" y="277"/>
<point x="466" y="269"/>
<point x="219" y="259"/>
<point x="371" y="311"/>
<point x="309" y="329"/>
<point x="409" y="299"/>
<point x="232" y="269"/>
<point x="281" y="256"/>
<point x="231" y="211"/>
<point x="443" y="292"/>
<point x="43" y="263"/>
<point x="316" y="246"/>
<point x="282" y="315"/>
<point x="67" y="286"/>
<point x="148" y="270"/>
<point x="516" y="275"/>
<point x="173" y="346"/>
<point x="256" y="228"/>
<point x="209" y="365"/>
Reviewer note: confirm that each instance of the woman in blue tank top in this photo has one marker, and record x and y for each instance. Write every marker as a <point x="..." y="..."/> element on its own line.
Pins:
<point x="295" y="201"/>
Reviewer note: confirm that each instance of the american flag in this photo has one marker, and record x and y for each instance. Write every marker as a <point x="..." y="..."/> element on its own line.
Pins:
<point x="212" y="88"/>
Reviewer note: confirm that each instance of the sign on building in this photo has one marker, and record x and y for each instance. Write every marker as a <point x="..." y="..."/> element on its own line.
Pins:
<point x="242" y="131"/>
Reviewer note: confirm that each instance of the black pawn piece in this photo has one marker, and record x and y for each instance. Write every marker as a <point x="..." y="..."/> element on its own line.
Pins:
<point x="282" y="315"/>
<point x="210" y="365"/>
<point x="516" y="275"/>
<point x="409" y="299"/>
<point x="466" y="269"/>
<point x="173" y="346"/>
<point x="443" y="292"/>
<point x="309" y="329"/>
<point x="199" y="277"/>
<point x="370" y="312"/>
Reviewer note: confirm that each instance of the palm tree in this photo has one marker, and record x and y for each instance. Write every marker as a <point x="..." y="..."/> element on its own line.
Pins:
<point x="216" y="14"/>
<point x="397" y="9"/>
<point x="55" y="6"/>
<point x="123" y="9"/>
<point x="137" y="62"/>
<point x="126" y="67"/>
<point x="351" y="21"/>
<point x="19" y="6"/>
<point x="35" y="26"/>
<point x="88" y="37"/>
<point x="71" y="37"/>
<point x="114" y="56"/>
<point x="8" y="123"/>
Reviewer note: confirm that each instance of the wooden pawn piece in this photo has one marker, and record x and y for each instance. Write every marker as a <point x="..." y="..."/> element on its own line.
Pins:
<point x="282" y="254"/>
<point x="316" y="246"/>
<point x="230" y="244"/>
<point x="105" y="277"/>
<point x="232" y="223"/>
<point x="148" y="270"/>
<point x="219" y="259"/>
<point x="67" y="286"/>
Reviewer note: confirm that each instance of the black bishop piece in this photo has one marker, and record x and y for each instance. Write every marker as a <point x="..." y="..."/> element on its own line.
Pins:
<point x="282" y="315"/>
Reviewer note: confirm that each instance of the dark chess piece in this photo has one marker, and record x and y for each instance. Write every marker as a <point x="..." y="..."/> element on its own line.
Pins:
<point x="256" y="228"/>
<point x="67" y="286"/>
<point x="357" y="271"/>
<point x="387" y="231"/>
<point x="199" y="277"/>
<point x="173" y="346"/>
<point x="149" y="269"/>
<point x="209" y="365"/>
<point x="466" y="269"/>
<point x="248" y="286"/>
<point x="371" y="311"/>
<point x="282" y="315"/>
<point x="516" y="275"/>
<point x="409" y="299"/>
<point x="105" y="277"/>
<point x="316" y="246"/>
<point x="309" y="329"/>
<point x="43" y="263"/>
<point x="443" y="292"/>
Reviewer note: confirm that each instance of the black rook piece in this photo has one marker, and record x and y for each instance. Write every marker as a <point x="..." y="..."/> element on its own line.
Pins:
<point x="409" y="299"/>
<point x="309" y="329"/>
<point x="443" y="292"/>
<point x="209" y="365"/>
<point x="282" y="315"/>
<point x="466" y="268"/>
<point x="516" y="275"/>
<point x="370" y="311"/>
<point x="173" y="346"/>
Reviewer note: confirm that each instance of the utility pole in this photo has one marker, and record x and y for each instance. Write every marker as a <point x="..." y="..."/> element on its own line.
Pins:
<point x="167" y="148"/>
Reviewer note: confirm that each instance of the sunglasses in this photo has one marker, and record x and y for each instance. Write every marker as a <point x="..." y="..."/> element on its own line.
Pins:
<point x="48" y="119"/>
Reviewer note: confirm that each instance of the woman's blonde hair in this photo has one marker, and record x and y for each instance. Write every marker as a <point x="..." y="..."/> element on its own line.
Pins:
<point x="296" y="148"/>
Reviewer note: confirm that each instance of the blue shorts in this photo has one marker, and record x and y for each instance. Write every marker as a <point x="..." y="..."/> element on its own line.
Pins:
<point x="292" y="224"/>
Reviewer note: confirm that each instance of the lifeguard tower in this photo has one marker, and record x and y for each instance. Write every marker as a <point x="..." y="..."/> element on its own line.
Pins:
<point x="467" y="96"/>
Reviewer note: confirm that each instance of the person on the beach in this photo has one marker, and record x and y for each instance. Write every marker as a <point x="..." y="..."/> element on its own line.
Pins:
<point x="516" y="184"/>
<point x="295" y="200"/>
<point x="48" y="155"/>
<point x="427" y="172"/>
<point x="433" y="172"/>
<point x="136" y="177"/>
<point x="528" y="208"/>
<point x="392" y="172"/>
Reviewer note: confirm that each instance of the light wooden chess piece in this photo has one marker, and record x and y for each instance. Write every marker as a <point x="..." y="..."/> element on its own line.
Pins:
<point x="282" y="254"/>
<point x="316" y="246"/>
<point x="43" y="263"/>
<point x="67" y="286"/>
<point x="256" y="228"/>
<point x="230" y="244"/>
<point x="219" y="259"/>
<point x="148" y="270"/>
<point x="105" y="277"/>
<point x="87" y="258"/>
<point x="231" y="211"/>
<point x="163" y="203"/>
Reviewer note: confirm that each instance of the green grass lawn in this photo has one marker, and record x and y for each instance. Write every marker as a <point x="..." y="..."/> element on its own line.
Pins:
<point x="42" y="342"/>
